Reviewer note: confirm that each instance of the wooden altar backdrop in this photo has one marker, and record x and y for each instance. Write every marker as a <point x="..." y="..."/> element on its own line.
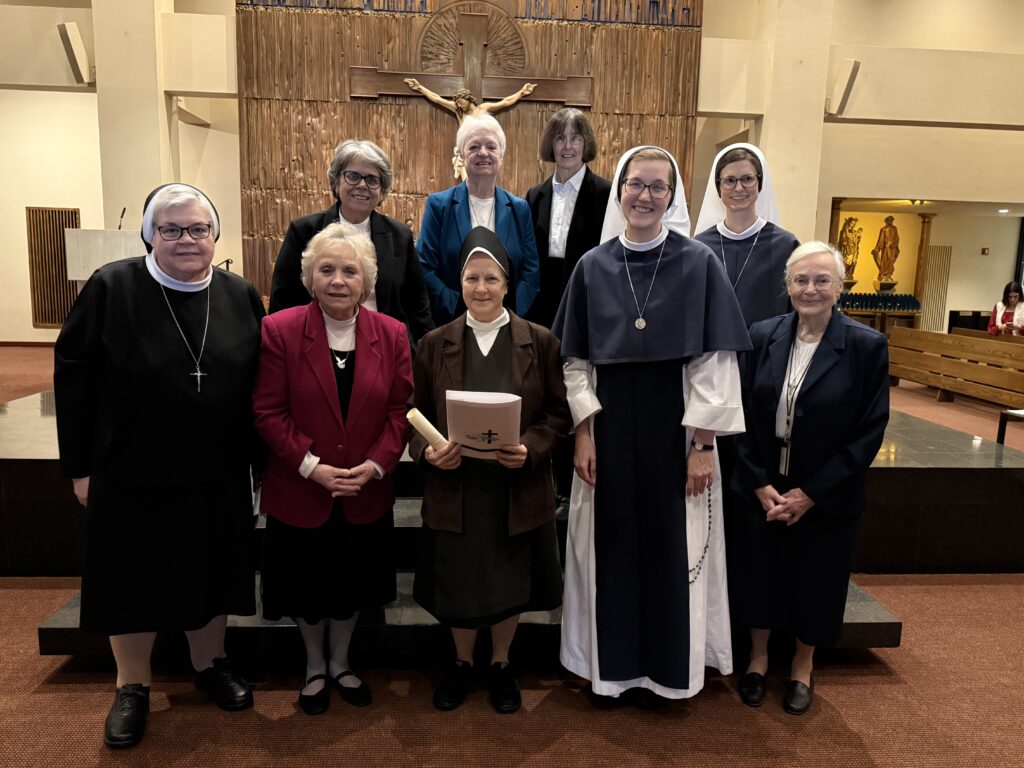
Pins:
<point x="295" y="106"/>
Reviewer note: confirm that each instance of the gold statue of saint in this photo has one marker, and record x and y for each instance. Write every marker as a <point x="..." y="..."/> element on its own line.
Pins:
<point x="464" y="104"/>
<point x="849" y="244"/>
<point x="886" y="250"/>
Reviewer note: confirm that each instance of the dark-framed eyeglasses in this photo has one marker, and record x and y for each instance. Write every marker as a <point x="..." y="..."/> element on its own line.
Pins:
<point x="352" y="178"/>
<point x="747" y="181"/>
<point x="172" y="232"/>
<point x="659" y="190"/>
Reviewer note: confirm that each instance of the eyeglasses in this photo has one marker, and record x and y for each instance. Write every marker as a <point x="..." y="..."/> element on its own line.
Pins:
<point x="352" y="179"/>
<point x="747" y="181"/>
<point x="659" y="189"/>
<point x="820" y="282"/>
<point x="173" y="232"/>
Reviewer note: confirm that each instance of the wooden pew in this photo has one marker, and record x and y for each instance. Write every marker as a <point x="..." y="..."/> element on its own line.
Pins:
<point x="986" y="335"/>
<point x="988" y="369"/>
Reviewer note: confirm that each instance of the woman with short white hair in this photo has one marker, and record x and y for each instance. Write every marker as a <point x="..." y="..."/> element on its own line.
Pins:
<point x="477" y="202"/>
<point x="816" y="402"/>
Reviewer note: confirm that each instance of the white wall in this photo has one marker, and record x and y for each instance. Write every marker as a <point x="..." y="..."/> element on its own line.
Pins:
<point x="976" y="281"/>
<point x="49" y="157"/>
<point x="31" y="53"/>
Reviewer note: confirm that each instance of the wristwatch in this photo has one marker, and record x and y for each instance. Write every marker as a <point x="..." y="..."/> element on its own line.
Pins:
<point x="699" y="446"/>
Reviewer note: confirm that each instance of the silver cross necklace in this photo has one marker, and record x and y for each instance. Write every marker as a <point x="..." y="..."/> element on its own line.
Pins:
<point x="202" y="347"/>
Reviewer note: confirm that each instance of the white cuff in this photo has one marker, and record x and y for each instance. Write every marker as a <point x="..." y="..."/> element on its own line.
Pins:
<point x="580" y="389"/>
<point x="308" y="465"/>
<point x="376" y="468"/>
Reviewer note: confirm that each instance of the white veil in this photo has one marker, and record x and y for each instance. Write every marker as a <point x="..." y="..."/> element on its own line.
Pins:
<point x="712" y="211"/>
<point x="676" y="217"/>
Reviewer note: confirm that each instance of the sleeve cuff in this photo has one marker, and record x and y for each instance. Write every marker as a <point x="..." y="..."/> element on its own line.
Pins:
<point x="309" y="463"/>
<point x="377" y="468"/>
<point x="579" y="389"/>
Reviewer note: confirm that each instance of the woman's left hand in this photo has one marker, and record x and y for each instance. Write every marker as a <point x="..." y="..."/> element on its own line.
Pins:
<point x="357" y="477"/>
<point x="796" y="505"/>
<point x="700" y="470"/>
<point x="512" y="456"/>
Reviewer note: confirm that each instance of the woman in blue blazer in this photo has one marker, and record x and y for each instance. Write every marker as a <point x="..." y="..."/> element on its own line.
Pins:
<point x="816" y="403"/>
<point x="477" y="202"/>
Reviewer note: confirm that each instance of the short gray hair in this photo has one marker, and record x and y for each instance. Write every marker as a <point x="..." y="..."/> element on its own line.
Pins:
<point x="333" y="238"/>
<point x="813" y="248"/>
<point x="172" y="196"/>
<point x="368" y="152"/>
<point x="479" y="122"/>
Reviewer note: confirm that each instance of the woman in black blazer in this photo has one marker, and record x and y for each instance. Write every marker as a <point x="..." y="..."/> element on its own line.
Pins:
<point x="360" y="176"/>
<point x="816" y="403"/>
<point x="567" y="209"/>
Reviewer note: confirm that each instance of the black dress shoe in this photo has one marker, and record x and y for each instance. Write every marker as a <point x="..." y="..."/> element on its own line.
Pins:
<point x="644" y="698"/>
<point x="752" y="689"/>
<point x="359" y="696"/>
<point x="225" y="686"/>
<point x="452" y="690"/>
<point x="798" y="697"/>
<point x="504" y="688"/>
<point x="315" y="703"/>
<point x="126" y="720"/>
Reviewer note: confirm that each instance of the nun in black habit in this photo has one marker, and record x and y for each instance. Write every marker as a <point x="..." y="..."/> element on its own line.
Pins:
<point x="649" y="330"/>
<point x="154" y="369"/>
<point x="489" y="545"/>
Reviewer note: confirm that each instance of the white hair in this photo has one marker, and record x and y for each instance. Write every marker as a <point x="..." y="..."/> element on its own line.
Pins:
<point x="171" y="196"/>
<point x="471" y="125"/>
<point x="333" y="238"/>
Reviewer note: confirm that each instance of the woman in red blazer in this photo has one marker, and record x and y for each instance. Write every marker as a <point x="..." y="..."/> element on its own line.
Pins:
<point x="330" y="402"/>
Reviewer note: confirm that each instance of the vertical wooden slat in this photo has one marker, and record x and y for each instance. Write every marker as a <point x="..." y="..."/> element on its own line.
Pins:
<point x="51" y="292"/>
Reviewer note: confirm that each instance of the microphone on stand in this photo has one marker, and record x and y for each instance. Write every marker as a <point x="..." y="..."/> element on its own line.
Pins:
<point x="121" y="220"/>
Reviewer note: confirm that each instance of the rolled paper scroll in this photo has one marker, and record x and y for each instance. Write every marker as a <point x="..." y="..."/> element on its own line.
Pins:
<point x="425" y="428"/>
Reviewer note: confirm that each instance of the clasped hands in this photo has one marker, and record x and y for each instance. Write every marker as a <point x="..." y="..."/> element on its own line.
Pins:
<point x="786" y="507"/>
<point x="343" y="482"/>
<point x="450" y="456"/>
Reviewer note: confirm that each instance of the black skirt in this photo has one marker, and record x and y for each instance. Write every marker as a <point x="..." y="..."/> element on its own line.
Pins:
<point x="167" y="558"/>
<point x="328" y="572"/>
<point x="481" y="576"/>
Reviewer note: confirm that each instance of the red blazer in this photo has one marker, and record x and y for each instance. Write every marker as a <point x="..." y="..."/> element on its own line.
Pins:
<point x="296" y="406"/>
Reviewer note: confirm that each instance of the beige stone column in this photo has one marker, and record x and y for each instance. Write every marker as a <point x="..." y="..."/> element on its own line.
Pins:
<point x="922" y="253"/>
<point x="135" y="146"/>
<point x="790" y="133"/>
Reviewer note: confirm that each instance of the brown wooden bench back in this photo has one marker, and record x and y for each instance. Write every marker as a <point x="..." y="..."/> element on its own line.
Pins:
<point x="986" y="335"/>
<point x="989" y="369"/>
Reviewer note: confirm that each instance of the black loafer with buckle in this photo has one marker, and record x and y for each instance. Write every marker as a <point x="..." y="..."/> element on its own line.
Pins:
<point x="225" y="686"/>
<point x="752" y="689"/>
<point x="126" y="721"/>
<point x="360" y="696"/>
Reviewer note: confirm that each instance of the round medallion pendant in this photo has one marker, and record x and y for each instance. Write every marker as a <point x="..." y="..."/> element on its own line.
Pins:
<point x="640" y="323"/>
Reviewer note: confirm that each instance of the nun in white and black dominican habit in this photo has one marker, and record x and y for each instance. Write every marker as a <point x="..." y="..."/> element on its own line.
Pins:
<point x="740" y="221"/>
<point x="153" y="378"/>
<point x="649" y="329"/>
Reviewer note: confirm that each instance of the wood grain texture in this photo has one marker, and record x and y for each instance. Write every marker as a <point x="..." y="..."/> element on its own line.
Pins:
<point x="295" y="105"/>
<point x="51" y="292"/>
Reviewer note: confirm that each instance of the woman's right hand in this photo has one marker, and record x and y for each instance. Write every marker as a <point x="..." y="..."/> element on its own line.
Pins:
<point x="329" y="477"/>
<point x="81" y="486"/>
<point x="585" y="458"/>
<point x="770" y="500"/>
<point x="448" y="457"/>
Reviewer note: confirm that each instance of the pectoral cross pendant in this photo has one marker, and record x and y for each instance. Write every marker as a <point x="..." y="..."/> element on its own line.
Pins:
<point x="199" y="378"/>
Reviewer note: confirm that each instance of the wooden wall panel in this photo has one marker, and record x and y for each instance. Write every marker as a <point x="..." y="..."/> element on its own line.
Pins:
<point x="51" y="291"/>
<point x="295" y="107"/>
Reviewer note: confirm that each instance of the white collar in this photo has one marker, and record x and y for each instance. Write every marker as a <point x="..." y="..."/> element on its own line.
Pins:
<point x="363" y="226"/>
<point x="750" y="231"/>
<point x="575" y="181"/>
<point x="339" y="326"/>
<point x="176" y="285"/>
<point x="495" y="324"/>
<point x="650" y="245"/>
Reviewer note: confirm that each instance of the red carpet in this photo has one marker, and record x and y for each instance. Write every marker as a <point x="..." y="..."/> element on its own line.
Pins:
<point x="951" y="696"/>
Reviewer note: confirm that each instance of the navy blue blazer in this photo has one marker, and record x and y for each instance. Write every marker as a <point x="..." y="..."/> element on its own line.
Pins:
<point x="447" y="221"/>
<point x="841" y="412"/>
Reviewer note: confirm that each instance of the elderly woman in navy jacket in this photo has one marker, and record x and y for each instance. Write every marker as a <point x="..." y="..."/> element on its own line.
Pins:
<point x="816" y="402"/>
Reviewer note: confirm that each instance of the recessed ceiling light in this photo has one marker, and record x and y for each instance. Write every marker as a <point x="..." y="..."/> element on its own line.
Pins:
<point x="1004" y="210"/>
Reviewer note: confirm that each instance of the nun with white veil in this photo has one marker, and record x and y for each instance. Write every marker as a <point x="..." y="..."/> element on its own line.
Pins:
<point x="649" y="329"/>
<point x="740" y="221"/>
